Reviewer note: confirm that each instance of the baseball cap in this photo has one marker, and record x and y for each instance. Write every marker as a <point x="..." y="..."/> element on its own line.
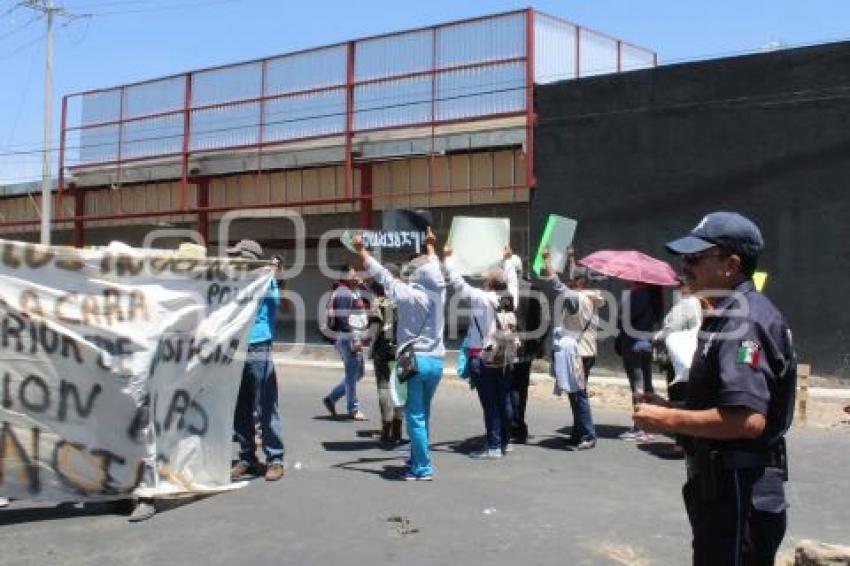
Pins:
<point x="247" y="248"/>
<point x="728" y="230"/>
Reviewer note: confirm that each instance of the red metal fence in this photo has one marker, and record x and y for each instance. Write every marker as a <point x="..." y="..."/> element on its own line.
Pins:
<point x="458" y="72"/>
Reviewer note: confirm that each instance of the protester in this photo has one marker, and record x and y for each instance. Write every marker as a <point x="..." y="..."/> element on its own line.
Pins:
<point x="533" y="322"/>
<point x="382" y="330"/>
<point x="488" y="329"/>
<point x="740" y="400"/>
<point x="579" y="321"/>
<point x="143" y="508"/>
<point x="259" y="385"/>
<point x="419" y="301"/>
<point x="348" y="320"/>
<point x="634" y="346"/>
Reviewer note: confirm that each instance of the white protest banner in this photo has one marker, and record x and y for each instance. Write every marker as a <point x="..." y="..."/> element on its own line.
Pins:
<point x="119" y="370"/>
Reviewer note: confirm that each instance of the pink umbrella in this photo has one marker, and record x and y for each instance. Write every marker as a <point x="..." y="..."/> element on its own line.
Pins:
<point x="631" y="266"/>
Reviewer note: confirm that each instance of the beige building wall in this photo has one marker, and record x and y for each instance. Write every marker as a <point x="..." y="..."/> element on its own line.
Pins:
<point x="465" y="179"/>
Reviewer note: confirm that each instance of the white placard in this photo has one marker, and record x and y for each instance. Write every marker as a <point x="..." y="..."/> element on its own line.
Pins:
<point x="478" y="243"/>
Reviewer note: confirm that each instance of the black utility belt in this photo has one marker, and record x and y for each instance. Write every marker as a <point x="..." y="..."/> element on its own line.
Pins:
<point x="729" y="460"/>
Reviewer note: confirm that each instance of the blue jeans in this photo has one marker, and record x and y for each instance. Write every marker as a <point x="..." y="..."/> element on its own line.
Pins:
<point x="258" y="388"/>
<point x="583" y="428"/>
<point x="638" y="366"/>
<point x="354" y="370"/>
<point x="494" y="392"/>
<point x="420" y="390"/>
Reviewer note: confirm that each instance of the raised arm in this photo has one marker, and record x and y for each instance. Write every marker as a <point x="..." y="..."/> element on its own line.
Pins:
<point x="431" y="243"/>
<point x="456" y="280"/>
<point x="571" y="298"/>
<point x="511" y="276"/>
<point x="395" y="289"/>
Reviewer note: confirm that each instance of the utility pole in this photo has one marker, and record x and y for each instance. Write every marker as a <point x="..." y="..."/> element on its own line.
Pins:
<point x="46" y="7"/>
<point x="46" y="192"/>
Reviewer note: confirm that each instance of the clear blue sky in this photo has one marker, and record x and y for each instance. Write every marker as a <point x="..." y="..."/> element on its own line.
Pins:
<point x="128" y="40"/>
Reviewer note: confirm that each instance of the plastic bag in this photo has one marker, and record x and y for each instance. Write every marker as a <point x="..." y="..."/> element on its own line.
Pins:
<point x="398" y="390"/>
<point x="464" y="366"/>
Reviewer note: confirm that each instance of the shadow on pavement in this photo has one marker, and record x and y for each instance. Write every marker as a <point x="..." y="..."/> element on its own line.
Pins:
<point x="335" y="419"/>
<point x="368" y="433"/>
<point x="602" y="430"/>
<point x="61" y="511"/>
<point x="554" y="443"/>
<point x="465" y="446"/>
<point x="387" y="471"/>
<point x="350" y="445"/>
<point x="72" y="510"/>
<point x="663" y="450"/>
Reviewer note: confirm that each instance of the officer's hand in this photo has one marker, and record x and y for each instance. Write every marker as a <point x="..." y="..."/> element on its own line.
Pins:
<point x="651" y="418"/>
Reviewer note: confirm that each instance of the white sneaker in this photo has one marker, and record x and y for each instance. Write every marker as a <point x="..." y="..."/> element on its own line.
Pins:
<point x="630" y="435"/>
<point x="508" y="448"/>
<point x="4" y="502"/>
<point x="486" y="454"/>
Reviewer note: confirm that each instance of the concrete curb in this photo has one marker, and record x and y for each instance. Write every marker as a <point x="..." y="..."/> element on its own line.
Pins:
<point x="538" y="377"/>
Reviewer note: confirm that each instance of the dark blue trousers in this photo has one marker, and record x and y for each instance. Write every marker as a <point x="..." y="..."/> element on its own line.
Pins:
<point x="726" y="528"/>
<point x="494" y="392"/>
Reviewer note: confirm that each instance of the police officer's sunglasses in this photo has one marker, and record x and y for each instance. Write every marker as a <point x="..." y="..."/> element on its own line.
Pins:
<point x="693" y="259"/>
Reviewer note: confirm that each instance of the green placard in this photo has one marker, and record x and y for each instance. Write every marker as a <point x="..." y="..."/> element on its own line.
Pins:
<point x="557" y="236"/>
<point x="347" y="241"/>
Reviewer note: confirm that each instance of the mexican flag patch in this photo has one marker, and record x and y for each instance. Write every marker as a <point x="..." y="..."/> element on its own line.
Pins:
<point x="749" y="353"/>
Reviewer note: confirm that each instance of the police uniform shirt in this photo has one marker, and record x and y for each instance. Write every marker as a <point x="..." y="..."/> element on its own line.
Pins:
<point x="744" y="358"/>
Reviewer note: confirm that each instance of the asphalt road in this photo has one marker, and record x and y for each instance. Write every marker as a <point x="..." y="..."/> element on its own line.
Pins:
<point x="340" y="504"/>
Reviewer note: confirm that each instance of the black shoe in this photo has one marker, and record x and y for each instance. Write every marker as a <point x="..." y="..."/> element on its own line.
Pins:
<point x="395" y="430"/>
<point x="329" y="405"/>
<point x="386" y="434"/>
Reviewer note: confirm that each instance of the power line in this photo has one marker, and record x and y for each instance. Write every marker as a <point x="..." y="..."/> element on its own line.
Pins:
<point x="766" y="100"/>
<point x="204" y="4"/>
<point x="23" y="99"/>
<point x="23" y="47"/>
<point x="89" y="5"/>
<point x="21" y="27"/>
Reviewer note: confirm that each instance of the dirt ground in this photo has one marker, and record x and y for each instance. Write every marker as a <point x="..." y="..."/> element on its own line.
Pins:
<point x="820" y="413"/>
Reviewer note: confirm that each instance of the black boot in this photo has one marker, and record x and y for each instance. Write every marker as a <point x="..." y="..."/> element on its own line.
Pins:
<point x="396" y="430"/>
<point x="386" y="433"/>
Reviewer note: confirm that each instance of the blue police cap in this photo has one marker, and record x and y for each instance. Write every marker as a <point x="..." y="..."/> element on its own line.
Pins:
<point x="728" y="230"/>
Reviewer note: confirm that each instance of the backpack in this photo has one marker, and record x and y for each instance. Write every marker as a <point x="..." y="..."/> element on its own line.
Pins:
<point x="328" y="325"/>
<point x="357" y="315"/>
<point x="501" y="345"/>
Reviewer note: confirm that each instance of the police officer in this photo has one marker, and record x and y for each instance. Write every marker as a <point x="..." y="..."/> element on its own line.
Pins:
<point x="740" y="400"/>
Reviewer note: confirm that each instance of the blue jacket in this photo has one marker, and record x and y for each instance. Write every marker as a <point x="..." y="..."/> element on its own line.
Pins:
<point x="266" y="321"/>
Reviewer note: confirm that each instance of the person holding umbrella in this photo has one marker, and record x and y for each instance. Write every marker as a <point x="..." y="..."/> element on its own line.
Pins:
<point x="640" y="310"/>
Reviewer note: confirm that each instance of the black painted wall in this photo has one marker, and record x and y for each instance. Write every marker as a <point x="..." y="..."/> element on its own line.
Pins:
<point x="639" y="158"/>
